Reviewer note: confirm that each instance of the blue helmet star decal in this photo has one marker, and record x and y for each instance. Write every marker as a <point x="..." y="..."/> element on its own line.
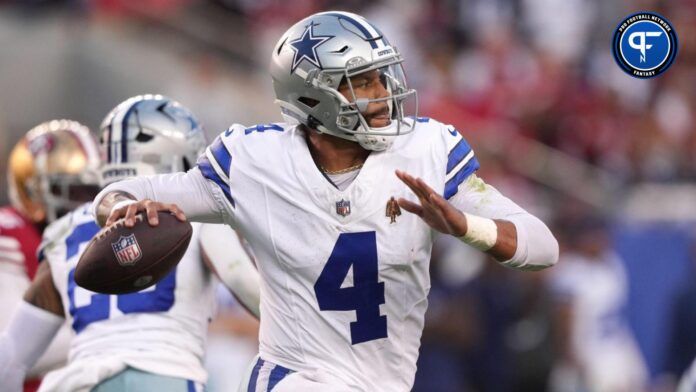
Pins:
<point x="306" y="46"/>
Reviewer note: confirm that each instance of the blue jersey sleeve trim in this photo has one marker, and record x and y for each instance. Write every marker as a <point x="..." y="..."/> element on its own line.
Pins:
<point x="459" y="152"/>
<point x="221" y="154"/>
<point x="452" y="185"/>
<point x="209" y="172"/>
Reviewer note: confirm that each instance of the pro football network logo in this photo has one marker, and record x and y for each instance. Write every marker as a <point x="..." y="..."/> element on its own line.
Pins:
<point x="127" y="250"/>
<point x="644" y="45"/>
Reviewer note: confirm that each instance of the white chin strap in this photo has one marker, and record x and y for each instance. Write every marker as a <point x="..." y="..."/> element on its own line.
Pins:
<point x="374" y="142"/>
<point x="371" y="142"/>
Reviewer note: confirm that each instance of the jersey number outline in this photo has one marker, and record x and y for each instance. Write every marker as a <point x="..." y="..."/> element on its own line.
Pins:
<point x="358" y="250"/>
<point x="161" y="299"/>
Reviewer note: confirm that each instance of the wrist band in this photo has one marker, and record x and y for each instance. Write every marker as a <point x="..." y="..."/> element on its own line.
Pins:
<point x="481" y="233"/>
<point x="121" y="204"/>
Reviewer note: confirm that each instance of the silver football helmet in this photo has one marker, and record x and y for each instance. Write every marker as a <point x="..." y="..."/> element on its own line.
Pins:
<point x="321" y="52"/>
<point x="149" y="134"/>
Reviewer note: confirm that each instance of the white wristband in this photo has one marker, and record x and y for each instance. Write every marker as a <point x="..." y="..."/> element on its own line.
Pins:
<point x="481" y="233"/>
<point x="122" y="203"/>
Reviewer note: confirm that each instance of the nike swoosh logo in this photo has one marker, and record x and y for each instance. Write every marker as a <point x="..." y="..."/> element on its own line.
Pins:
<point x="453" y="132"/>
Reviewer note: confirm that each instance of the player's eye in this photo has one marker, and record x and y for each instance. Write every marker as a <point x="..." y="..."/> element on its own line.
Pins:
<point x="362" y="83"/>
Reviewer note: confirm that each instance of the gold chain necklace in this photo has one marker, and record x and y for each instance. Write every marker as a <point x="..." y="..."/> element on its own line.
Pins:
<point x="342" y="171"/>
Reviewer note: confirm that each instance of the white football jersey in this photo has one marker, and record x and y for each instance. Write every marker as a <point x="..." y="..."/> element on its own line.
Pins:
<point x="344" y="274"/>
<point x="343" y="289"/>
<point x="159" y="330"/>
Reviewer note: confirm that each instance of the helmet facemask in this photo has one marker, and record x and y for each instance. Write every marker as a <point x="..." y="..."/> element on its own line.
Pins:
<point x="352" y="119"/>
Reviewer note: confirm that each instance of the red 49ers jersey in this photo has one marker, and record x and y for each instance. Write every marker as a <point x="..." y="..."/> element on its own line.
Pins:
<point x="19" y="240"/>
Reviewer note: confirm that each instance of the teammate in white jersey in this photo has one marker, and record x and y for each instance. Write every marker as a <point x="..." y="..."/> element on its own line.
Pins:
<point x="153" y="339"/>
<point x="344" y="273"/>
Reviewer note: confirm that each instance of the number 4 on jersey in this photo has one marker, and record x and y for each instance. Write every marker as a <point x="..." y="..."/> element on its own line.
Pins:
<point x="360" y="251"/>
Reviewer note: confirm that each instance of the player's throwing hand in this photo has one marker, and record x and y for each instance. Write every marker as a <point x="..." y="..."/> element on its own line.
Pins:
<point x="433" y="209"/>
<point x="149" y="206"/>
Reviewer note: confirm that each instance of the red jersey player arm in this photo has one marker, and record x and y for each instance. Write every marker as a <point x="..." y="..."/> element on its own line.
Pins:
<point x="19" y="239"/>
<point x="43" y="293"/>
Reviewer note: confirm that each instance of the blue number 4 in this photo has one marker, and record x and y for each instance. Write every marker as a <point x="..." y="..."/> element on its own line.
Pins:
<point x="360" y="251"/>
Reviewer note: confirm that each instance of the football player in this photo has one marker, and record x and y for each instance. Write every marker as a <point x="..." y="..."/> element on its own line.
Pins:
<point x="153" y="339"/>
<point x="51" y="170"/>
<point x="344" y="276"/>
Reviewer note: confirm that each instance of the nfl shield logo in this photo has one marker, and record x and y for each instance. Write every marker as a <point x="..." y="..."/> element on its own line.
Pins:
<point x="127" y="250"/>
<point x="343" y="207"/>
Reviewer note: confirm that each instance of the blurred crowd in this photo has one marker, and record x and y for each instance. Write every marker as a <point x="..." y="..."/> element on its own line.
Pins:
<point x="510" y="74"/>
<point x="538" y="68"/>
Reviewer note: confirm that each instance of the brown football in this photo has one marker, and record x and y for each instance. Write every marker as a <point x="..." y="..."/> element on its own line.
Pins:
<point x="120" y="260"/>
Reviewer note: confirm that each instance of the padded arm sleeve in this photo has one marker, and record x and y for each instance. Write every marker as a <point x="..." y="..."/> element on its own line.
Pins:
<point x="231" y="263"/>
<point x="537" y="248"/>
<point x="199" y="198"/>
<point x="23" y="341"/>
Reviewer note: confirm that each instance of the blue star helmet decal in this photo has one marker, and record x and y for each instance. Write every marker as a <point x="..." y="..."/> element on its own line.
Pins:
<point x="306" y="46"/>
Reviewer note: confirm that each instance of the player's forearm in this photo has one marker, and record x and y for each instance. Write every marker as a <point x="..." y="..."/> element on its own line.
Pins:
<point x="506" y="241"/>
<point x="535" y="247"/>
<point x="190" y="191"/>
<point x="29" y="333"/>
<point x="43" y="293"/>
<point x="499" y="238"/>
<point x="501" y="228"/>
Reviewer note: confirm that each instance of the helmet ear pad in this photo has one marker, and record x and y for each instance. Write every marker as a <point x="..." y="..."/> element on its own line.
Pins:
<point x="314" y="103"/>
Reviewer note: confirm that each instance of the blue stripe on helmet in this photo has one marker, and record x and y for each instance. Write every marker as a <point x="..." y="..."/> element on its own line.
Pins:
<point x="357" y="24"/>
<point x="382" y="36"/>
<point x="124" y="133"/>
<point x="108" y="144"/>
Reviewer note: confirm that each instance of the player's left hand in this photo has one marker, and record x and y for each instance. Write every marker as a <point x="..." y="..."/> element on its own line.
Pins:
<point x="437" y="212"/>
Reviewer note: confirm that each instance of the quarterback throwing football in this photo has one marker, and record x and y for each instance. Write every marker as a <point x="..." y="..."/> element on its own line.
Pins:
<point x="344" y="273"/>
